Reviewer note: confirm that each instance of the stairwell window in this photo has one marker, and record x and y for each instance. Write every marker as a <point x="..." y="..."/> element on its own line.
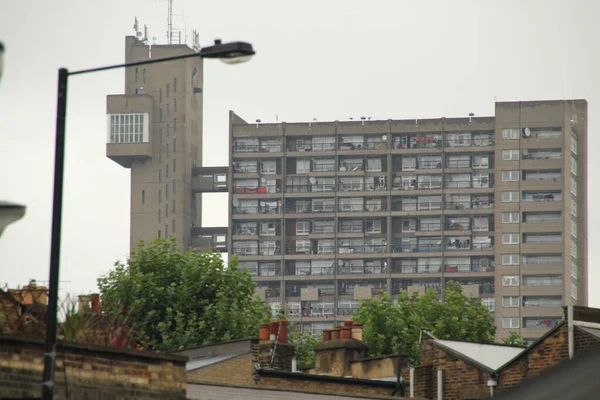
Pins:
<point x="510" y="238"/>
<point x="510" y="176"/>
<point x="510" y="323"/>
<point x="508" y="155"/>
<point x="174" y="186"/>
<point x="174" y="85"/>
<point x="510" y="280"/>
<point x="511" y="133"/>
<point x="510" y="259"/>
<point x="143" y="197"/>
<point x="159" y="216"/>
<point x="510" y="197"/>
<point x="174" y="165"/>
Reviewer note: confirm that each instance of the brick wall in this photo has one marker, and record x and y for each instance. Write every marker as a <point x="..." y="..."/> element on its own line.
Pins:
<point x="319" y="386"/>
<point x="90" y="372"/>
<point x="235" y="371"/>
<point x="546" y="354"/>
<point x="459" y="378"/>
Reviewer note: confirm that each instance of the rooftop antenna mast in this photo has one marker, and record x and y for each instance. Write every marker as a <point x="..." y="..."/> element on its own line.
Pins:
<point x="196" y="40"/>
<point x="173" y="35"/>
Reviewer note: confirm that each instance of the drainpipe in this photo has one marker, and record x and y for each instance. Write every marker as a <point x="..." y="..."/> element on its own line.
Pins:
<point x="440" y="394"/>
<point x="492" y="382"/>
<point x="412" y="382"/>
<point x="571" y="333"/>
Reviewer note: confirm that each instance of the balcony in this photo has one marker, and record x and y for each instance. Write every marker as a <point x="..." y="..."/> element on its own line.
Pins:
<point x="307" y="144"/>
<point x="258" y="209"/>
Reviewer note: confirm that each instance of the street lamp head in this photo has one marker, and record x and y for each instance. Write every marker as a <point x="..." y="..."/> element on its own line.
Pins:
<point x="1" y="59"/>
<point x="9" y="213"/>
<point x="229" y="53"/>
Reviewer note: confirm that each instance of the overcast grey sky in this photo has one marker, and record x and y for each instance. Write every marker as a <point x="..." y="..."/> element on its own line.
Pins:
<point x="324" y="59"/>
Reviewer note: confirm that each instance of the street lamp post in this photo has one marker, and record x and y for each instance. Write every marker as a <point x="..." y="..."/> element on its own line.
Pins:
<point x="229" y="53"/>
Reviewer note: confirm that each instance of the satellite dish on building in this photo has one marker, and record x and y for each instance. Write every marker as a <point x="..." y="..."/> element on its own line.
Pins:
<point x="525" y="152"/>
<point x="340" y="262"/>
<point x="235" y="202"/>
<point x="384" y="138"/>
<point x="312" y="180"/>
<point x="527" y="132"/>
<point x="263" y="180"/>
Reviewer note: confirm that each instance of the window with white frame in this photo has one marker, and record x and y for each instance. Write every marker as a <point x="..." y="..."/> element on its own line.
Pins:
<point x="373" y="205"/>
<point x="430" y="202"/>
<point x="409" y="163"/>
<point x="509" y="155"/>
<point x="510" y="217"/>
<point x="128" y="128"/>
<point x="323" y="226"/>
<point x="302" y="228"/>
<point x="490" y="303"/>
<point x="510" y="280"/>
<point x="573" y="269"/>
<point x="573" y="166"/>
<point x="302" y="247"/>
<point x="268" y="167"/>
<point x="351" y="226"/>
<point x="323" y="143"/>
<point x="480" y="224"/>
<point x="573" y="228"/>
<point x="542" y="280"/>
<point x="573" y="145"/>
<point x="510" y="176"/>
<point x="573" y="186"/>
<point x="268" y="247"/>
<point x="510" y="259"/>
<point x="510" y="301"/>
<point x="510" y="133"/>
<point x="302" y="267"/>
<point x="574" y="290"/>
<point x="323" y="205"/>
<point x="510" y="238"/>
<point x="324" y="165"/>
<point x="268" y="269"/>
<point x="481" y="161"/>
<point x="374" y="164"/>
<point x="267" y="228"/>
<point x="574" y="207"/>
<point x="351" y="203"/>
<point x="573" y="249"/>
<point x="510" y="323"/>
<point x="510" y="197"/>
<point x="302" y="166"/>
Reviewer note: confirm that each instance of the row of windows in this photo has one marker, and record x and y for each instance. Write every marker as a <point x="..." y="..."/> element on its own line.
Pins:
<point x="530" y="322"/>
<point x="166" y="231"/>
<point x="160" y="91"/>
<point x="533" y="280"/>
<point x="160" y="193"/>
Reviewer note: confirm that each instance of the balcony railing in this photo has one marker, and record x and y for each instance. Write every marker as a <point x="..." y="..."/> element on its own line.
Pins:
<point x="256" y="210"/>
<point x="308" y="146"/>
<point x="272" y="292"/>
<point x="316" y="188"/>
<point x="469" y="204"/>
<point x="472" y="142"/>
<point x="246" y="231"/>
<point x="543" y="197"/>
<point x="257" y="189"/>
<point x="313" y="249"/>
<point x="361" y="249"/>
<point x="262" y="148"/>
<point x="415" y="248"/>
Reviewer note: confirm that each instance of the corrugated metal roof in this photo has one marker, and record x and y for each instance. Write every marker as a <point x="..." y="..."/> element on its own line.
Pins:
<point x="489" y="355"/>
<point x="206" y="361"/>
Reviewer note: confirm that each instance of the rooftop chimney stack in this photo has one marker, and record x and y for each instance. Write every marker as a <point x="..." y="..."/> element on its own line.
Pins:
<point x="96" y="307"/>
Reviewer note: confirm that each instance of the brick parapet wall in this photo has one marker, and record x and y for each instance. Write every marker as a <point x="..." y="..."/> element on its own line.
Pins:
<point x="238" y="370"/>
<point x="91" y="372"/>
<point x="550" y="352"/>
<point x="319" y="386"/>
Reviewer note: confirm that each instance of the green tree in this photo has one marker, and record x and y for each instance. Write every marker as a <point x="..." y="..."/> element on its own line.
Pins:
<point x="389" y="326"/>
<point x="179" y="298"/>
<point x="514" y="339"/>
<point x="305" y="344"/>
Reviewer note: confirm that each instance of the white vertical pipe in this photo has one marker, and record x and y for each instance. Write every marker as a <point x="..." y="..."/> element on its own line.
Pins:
<point x="440" y="394"/>
<point x="571" y="333"/>
<point x="412" y="382"/>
